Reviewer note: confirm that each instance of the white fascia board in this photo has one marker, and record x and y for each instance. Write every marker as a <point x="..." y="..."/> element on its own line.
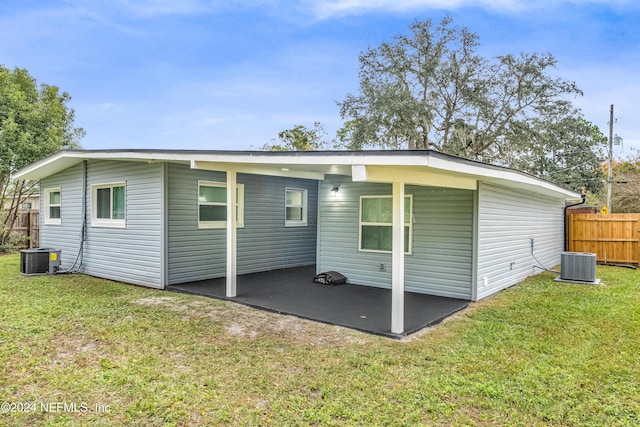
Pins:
<point x="502" y="176"/>
<point x="455" y="173"/>
<point x="299" y="158"/>
<point x="261" y="169"/>
<point x="536" y="186"/>
<point x="46" y="167"/>
<point x="140" y="156"/>
<point x="65" y="159"/>
<point x="310" y="166"/>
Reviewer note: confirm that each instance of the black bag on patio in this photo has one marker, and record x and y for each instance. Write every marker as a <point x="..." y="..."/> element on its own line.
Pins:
<point x="330" y="278"/>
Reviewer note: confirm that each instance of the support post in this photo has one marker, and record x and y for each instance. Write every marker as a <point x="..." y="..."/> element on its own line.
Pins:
<point x="397" y="262"/>
<point x="232" y="202"/>
<point x="610" y="167"/>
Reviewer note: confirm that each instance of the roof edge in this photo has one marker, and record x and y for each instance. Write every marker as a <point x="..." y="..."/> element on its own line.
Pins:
<point x="430" y="158"/>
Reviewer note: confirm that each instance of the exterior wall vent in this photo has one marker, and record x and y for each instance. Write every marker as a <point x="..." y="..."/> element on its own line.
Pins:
<point x="39" y="261"/>
<point x="578" y="266"/>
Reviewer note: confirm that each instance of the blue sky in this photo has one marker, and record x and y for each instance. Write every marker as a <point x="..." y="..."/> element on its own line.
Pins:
<point x="231" y="74"/>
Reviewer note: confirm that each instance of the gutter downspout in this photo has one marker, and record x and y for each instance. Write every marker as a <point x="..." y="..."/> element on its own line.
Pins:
<point x="566" y="231"/>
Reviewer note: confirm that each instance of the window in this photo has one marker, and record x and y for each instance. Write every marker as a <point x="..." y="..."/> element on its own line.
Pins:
<point x="212" y="204"/>
<point x="52" y="206"/>
<point x="295" y="207"/>
<point x="376" y="223"/>
<point x="108" y="205"/>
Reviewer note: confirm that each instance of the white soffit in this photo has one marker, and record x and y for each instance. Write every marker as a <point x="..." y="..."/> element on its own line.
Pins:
<point x="46" y="167"/>
<point x="414" y="175"/>
<point x="306" y="171"/>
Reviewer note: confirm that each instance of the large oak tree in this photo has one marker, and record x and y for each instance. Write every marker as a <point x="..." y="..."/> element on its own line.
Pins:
<point x="432" y="90"/>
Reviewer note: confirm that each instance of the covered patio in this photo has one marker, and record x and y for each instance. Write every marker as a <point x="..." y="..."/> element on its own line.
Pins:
<point x="292" y="291"/>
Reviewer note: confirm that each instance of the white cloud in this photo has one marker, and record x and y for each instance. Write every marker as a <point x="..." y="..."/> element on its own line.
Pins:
<point x="163" y="7"/>
<point x="107" y="106"/>
<point x="331" y="8"/>
<point x="148" y="8"/>
<point x="320" y="9"/>
<point x="207" y="121"/>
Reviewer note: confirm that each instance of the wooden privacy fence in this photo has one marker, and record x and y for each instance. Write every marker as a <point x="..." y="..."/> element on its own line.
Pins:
<point x="28" y="223"/>
<point x="614" y="238"/>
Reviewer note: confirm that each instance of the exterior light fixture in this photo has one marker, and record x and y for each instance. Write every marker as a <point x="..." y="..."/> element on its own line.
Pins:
<point x="334" y="191"/>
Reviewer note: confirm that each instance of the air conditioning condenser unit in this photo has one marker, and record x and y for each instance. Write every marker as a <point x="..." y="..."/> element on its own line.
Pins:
<point x="39" y="261"/>
<point x="578" y="267"/>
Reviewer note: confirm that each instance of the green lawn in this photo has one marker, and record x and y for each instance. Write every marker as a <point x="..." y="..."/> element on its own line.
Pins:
<point x="540" y="353"/>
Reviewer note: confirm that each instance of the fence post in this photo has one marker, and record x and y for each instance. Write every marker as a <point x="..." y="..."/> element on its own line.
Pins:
<point x="29" y="232"/>
<point x="570" y="234"/>
<point x="34" y="224"/>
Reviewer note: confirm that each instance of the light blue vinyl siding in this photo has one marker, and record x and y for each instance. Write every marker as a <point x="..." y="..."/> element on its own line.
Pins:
<point x="68" y="235"/>
<point x="264" y="243"/>
<point x="193" y="254"/>
<point x="441" y="257"/>
<point x="441" y="263"/>
<point x="508" y="219"/>
<point x="132" y="254"/>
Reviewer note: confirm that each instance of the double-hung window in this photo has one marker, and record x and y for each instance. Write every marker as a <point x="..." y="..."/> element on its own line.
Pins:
<point x="52" y="206"/>
<point x="376" y="223"/>
<point x="295" y="207"/>
<point x="108" y="202"/>
<point x="212" y="204"/>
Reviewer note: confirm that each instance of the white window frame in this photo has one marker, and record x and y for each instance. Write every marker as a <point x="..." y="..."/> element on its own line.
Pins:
<point x="304" y="206"/>
<point x="239" y="205"/>
<point x="107" y="222"/>
<point x="408" y="223"/>
<point x="47" y="205"/>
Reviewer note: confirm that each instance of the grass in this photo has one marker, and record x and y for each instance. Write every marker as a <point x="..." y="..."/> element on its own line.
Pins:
<point x="538" y="354"/>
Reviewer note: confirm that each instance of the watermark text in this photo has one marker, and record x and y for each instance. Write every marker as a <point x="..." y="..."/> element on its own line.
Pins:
<point x="52" y="407"/>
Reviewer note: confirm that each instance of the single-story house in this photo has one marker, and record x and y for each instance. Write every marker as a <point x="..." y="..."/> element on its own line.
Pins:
<point x="418" y="221"/>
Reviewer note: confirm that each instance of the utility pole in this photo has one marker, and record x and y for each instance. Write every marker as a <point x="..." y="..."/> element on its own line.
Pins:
<point x="610" y="175"/>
